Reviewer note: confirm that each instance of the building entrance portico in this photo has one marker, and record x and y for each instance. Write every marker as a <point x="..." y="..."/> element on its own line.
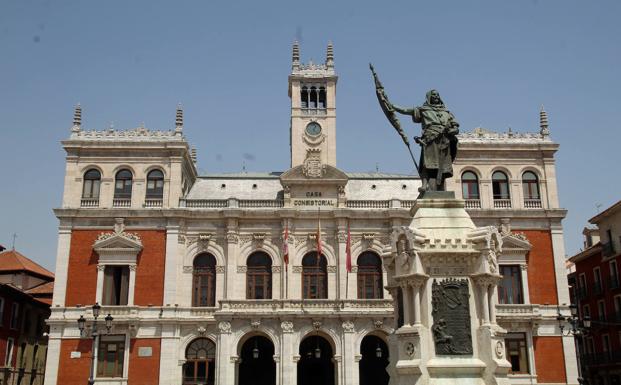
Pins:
<point x="372" y="365"/>
<point x="316" y="366"/>
<point x="257" y="366"/>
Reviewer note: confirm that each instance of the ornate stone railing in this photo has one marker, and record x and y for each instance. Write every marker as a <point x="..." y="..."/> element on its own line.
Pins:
<point x="89" y="202"/>
<point x="532" y="203"/>
<point x="258" y="203"/>
<point x="315" y="305"/>
<point x="518" y="310"/>
<point x="121" y="202"/>
<point x="472" y="203"/>
<point x="150" y="202"/>
<point x="368" y="204"/>
<point x="314" y="111"/>
<point x="407" y="204"/>
<point x="204" y="203"/>
<point x="502" y="203"/>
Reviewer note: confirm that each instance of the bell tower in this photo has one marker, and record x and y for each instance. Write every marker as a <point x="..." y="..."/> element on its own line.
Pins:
<point x="312" y="89"/>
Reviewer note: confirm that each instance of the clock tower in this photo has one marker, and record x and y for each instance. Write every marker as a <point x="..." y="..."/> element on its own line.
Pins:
<point x="312" y="89"/>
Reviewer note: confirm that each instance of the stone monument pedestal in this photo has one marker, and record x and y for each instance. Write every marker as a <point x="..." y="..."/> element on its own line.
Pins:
<point x="443" y="275"/>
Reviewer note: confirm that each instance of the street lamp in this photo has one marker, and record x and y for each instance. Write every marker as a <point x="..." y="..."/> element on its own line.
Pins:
<point x="94" y="334"/>
<point x="579" y="328"/>
<point x="255" y="350"/>
<point x="378" y="351"/>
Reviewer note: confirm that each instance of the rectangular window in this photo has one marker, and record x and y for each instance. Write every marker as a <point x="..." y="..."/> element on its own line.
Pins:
<point x="617" y="302"/>
<point x="111" y="356"/>
<point x="14" y="315"/>
<point x="9" y="352"/>
<point x="517" y="352"/>
<point x="510" y="287"/>
<point x="583" y="285"/>
<point x="1" y="311"/>
<point x="597" y="281"/>
<point x="614" y="274"/>
<point x="115" y="285"/>
<point x="586" y="311"/>
<point x="601" y="310"/>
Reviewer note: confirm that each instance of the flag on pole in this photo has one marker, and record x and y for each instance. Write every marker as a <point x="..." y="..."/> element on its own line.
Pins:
<point x="285" y="245"/>
<point x="318" y="235"/>
<point x="348" y="250"/>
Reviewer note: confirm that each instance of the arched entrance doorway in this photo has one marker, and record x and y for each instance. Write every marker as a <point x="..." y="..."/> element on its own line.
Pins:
<point x="257" y="366"/>
<point x="315" y="366"/>
<point x="200" y="363"/>
<point x="372" y="366"/>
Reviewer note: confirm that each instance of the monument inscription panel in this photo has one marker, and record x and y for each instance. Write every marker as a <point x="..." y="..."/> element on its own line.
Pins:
<point x="451" y="317"/>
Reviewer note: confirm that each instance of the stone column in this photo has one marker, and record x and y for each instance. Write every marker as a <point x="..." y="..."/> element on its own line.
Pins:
<point x="170" y="265"/>
<point x="170" y="363"/>
<point x="348" y="353"/>
<point x="53" y="356"/>
<point x="416" y="304"/>
<point x="62" y="265"/>
<point x="342" y="290"/>
<point x="226" y="359"/>
<point x="407" y="304"/>
<point x="485" y="302"/>
<point x="492" y="300"/>
<point x="232" y="239"/>
<point x="99" y="283"/>
<point x="288" y="369"/>
<point x="132" y="284"/>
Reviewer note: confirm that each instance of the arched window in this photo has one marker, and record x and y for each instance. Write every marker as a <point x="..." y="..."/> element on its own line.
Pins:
<point x="123" y="185"/>
<point x="92" y="181"/>
<point x="155" y="184"/>
<point x="322" y="98"/>
<point x="314" y="276"/>
<point x="200" y="362"/>
<point x="369" y="276"/>
<point x="304" y="97"/>
<point x="530" y="185"/>
<point x="500" y="190"/>
<point x="204" y="280"/>
<point x="259" y="276"/>
<point x="313" y="98"/>
<point x="470" y="185"/>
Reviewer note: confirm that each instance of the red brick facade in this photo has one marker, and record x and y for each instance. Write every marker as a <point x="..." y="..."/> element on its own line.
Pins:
<point x="541" y="274"/>
<point x="144" y="370"/>
<point x="82" y="274"/>
<point x="549" y="359"/>
<point x="74" y="370"/>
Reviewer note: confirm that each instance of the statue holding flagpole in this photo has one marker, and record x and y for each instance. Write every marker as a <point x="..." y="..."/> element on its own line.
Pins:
<point x="438" y="140"/>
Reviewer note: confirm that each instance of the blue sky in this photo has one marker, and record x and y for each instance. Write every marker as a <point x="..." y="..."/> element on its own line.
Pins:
<point x="227" y="62"/>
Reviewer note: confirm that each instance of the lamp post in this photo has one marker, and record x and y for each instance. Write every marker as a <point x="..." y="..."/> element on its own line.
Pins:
<point x="94" y="334"/>
<point x="579" y="328"/>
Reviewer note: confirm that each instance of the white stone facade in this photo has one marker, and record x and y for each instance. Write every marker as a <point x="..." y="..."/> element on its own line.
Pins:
<point x="231" y="216"/>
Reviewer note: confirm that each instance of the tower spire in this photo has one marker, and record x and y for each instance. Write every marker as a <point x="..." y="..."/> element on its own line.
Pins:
<point x="179" y="120"/>
<point x="295" y="57"/>
<point x="77" y="118"/>
<point x="330" y="55"/>
<point x="543" y="123"/>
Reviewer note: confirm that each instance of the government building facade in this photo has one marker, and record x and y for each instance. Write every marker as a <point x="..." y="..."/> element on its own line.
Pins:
<point x="278" y="278"/>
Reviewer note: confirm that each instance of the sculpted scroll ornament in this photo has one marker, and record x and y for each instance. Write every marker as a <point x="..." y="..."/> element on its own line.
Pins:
<point x="348" y="327"/>
<point x="225" y="327"/>
<point x="286" y="326"/>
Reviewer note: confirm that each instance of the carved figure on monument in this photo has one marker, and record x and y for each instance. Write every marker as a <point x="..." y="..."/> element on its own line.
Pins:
<point x="451" y="316"/>
<point x="438" y="140"/>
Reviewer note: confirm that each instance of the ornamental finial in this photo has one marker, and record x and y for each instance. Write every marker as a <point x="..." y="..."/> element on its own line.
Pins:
<point x="296" y="55"/>
<point x="179" y="120"/>
<point x="77" y="118"/>
<point x="543" y="122"/>
<point x="330" y="55"/>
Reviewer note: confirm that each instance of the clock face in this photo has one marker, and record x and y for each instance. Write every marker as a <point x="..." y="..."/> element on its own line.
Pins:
<point x="313" y="129"/>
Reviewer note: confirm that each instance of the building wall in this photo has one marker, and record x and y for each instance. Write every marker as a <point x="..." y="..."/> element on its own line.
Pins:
<point x="82" y="275"/>
<point x="74" y="370"/>
<point x="541" y="264"/>
<point x="549" y="359"/>
<point x="144" y="370"/>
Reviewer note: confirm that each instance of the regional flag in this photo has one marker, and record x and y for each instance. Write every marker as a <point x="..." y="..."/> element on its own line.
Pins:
<point x="285" y="246"/>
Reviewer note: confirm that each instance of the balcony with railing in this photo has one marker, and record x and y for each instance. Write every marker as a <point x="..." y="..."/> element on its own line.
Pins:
<point x="472" y="203"/>
<point x="314" y="111"/>
<point x="502" y="203"/>
<point x="368" y="204"/>
<point x="532" y="203"/>
<point x="153" y="202"/>
<point x="259" y="203"/>
<point x="89" y="202"/>
<point x="121" y="202"/>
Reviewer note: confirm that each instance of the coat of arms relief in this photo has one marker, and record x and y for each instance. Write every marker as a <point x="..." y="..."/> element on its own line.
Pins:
<point x="313" y="168"/>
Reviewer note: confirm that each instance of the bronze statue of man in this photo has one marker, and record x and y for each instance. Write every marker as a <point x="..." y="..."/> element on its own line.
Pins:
<point x="438" y="141"/>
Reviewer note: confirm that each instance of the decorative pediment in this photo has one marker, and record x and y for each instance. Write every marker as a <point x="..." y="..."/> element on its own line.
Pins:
<point x="515" y="241"/>
<point x="118" y="246"/>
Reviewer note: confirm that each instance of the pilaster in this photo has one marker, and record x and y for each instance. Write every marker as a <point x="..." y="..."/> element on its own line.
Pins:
<point x="62" y="265"/>
<point x="171" y="265"/>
